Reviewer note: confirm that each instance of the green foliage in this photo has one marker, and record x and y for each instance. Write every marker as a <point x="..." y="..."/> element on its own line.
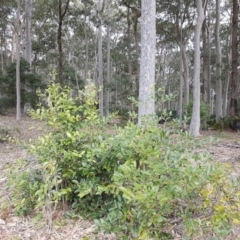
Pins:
<point x="26" y="182"/>
<point x="137" y="182"/>
<point x="165" y="185"/>
<point x="5" y="103"/>
<point x="226" y="122"/>
<point x="30" y="83"/>
<point x="3" y="134"/>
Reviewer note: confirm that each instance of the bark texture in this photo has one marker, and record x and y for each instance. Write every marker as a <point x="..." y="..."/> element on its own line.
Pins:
<point x="233" y="101"/>
<point x="28" y="43"/>
<point x="218" y="104"/>
<point x="100" y="57"/>
<point x="195" y="120"/>
<point x="18" y="93"/>
<point x="147" y="62"/>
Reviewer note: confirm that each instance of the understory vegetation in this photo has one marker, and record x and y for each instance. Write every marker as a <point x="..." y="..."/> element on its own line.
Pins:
<point x="138" y="182"/>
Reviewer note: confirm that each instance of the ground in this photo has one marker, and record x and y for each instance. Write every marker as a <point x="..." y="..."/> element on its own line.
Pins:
<point x="12" y="227"/>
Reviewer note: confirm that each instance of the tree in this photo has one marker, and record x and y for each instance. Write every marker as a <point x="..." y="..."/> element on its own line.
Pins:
<point x="234" y="93"/>
<point x="28" y="40"/>
<point x="147" y="62"/>
<point x="61" y="15"/>
<point x="218" y="105"/>
<point x="100" y="58"/>
<point x="18" y="93"/>
<point x="195" y="120"/>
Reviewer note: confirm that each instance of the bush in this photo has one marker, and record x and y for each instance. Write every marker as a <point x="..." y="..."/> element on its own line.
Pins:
<point x="136" y="182"/>
<point x="6" y="103"/>
<point x="4" y="133"/>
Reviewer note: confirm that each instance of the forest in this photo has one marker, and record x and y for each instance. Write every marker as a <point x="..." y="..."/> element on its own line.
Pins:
<point x="119" y="119"/>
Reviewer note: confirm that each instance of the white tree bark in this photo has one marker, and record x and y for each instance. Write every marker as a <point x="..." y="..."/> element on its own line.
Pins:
<point x="18" y="93"/>
<point x="195" y="120"/>
<point x="226" y="86"/>
<point x="218" y="104"/>
<point x="147" y="62"/>
<point x="181" y="83"/>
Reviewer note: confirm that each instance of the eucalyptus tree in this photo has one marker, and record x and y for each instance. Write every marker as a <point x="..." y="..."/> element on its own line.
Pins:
<point x="195" y="119"/>
<point x="62" y="10"/>
<point x="234" y="92"/>
<point x="18" y="93"/>
<point x="28" y="33"/>
<point x="147" y="62"/>
<point x="218" y="104"/>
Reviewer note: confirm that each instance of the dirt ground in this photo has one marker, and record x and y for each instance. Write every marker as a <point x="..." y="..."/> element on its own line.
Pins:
<point x="227" y="150"/>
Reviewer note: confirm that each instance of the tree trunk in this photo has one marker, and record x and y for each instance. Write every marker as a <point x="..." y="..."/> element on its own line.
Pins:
<point x="185" y="75"/>
<point x="129" y="47"/>
<point x="209" y="84"/>
<point x="218" y="104"/>
<point x="195" y="120"/>
<point x="86" y="47"/>
<point x="227" y="80"/>
<point x="147" y="62"/>
<point x="233" y="101"/>
<point x="205" y="61"/>
<point x="108" y="61"/>
<point x="181" y="82"/>
<point x="18" y="92"/>
<point x="28" y="40"/>
<point x="61" y="15"/>
<point x="100" y="58"/>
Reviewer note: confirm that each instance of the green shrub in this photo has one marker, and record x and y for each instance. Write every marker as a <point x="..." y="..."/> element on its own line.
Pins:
<point x="4" y="133"/>
<point x="137" y="182"/>
<point x="26" y="182"/>
<point x="6" y="103"/>
<point x="226" y="122"/>
<point x="164" y="185"/>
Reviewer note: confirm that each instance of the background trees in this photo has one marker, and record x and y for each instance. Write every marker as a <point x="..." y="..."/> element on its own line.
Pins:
<point x="101" y="40"/>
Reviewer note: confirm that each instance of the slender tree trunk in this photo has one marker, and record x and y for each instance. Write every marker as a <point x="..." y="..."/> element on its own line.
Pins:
<point x="234" y="94"/>
<point x="86" y="46"/>
<point x="13" y="52"/>
<point x="205" y="61"/>
<point x="195" y="120"/>
<point x="135" y="27"/>
<point x="147" y="64"/>
<point x="129" y="47"/>
<point x="226" y="86"/>
<point x="108" y="61"/>
<point x="209" y="83"/>
<point x="18" y="92"/>
<point x="181" y="83"/>
<point x="218" y="104"/>
<point x="28" y="40"/>
<point x="185" y="75"/>
<point x="61" y="15"/>
<point x="100" y="58"/>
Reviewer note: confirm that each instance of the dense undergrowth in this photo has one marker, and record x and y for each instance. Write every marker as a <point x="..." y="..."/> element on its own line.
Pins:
<point x="136" y="182"/>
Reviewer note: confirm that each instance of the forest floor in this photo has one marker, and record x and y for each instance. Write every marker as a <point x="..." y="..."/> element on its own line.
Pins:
<point x="12" y="227"/>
